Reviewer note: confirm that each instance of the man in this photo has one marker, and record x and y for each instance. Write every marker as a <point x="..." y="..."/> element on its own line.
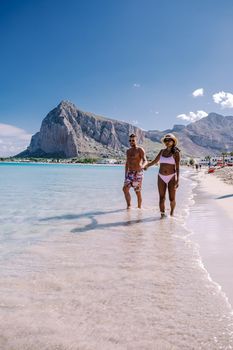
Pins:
<point x="135" y="162"/>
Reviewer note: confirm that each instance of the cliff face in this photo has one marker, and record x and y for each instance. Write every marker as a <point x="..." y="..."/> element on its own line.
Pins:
<point x="210" y="135"/>
<point x="214" y="132"/>
<point x="68" y="132"/>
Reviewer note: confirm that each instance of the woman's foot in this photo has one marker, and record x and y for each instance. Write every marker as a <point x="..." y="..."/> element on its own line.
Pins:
<point x="163" y="215"/>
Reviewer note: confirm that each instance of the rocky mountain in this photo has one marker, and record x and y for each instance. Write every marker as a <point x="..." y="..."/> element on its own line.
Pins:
<point x="210" y="135"/>
<point x="68" y="132"/>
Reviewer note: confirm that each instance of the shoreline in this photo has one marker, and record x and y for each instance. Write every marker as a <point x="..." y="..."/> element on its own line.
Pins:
<point x="222" y="192"/>
<point x="210" y="221"/>
<point x="62" y="163"/>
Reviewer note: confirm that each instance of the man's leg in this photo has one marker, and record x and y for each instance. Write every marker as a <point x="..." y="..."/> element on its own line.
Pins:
<point x="127" y="195"/>
<point x="139" y="198"/>
<point x="138" y="187"/>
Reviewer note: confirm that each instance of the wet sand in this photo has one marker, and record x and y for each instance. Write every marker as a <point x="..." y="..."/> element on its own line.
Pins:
<point x="220" y="188"/>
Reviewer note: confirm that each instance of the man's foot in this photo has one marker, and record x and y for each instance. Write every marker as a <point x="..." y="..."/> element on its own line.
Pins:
<point x="128" y="207"/>
<point x="172" y="212"/>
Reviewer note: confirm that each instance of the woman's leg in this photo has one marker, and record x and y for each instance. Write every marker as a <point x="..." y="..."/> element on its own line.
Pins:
<point x="162" y="191"/>
<point x="172" y="194"/>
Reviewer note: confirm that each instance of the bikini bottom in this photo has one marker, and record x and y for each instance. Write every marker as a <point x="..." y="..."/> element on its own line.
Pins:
<point x="166" y="178"/>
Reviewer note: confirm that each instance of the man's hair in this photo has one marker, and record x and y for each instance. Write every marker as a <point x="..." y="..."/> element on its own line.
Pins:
<point x="132" y="135"/>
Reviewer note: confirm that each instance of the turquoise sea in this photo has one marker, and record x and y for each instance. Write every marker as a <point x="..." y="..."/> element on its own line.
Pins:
<point x="79" y="271"/>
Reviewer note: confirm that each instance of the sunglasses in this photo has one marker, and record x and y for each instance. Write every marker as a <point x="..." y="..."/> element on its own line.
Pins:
<point x="131" y="140"/>
<point x="168" y="140"/>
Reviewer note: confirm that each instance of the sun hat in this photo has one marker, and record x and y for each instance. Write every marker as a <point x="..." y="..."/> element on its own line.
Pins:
<point x="170" y="136"/>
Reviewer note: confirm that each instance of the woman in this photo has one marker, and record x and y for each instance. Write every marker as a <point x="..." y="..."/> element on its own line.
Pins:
<point x="168" y="176"/>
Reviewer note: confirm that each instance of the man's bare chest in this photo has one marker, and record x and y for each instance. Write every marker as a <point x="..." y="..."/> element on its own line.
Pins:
<point x="134" y="155"/>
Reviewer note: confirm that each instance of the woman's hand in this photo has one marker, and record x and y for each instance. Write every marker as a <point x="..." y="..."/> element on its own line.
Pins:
<point x="177" y="183"/>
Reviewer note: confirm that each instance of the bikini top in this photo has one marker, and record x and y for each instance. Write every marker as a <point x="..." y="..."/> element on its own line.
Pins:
<point x="167" y="160"/>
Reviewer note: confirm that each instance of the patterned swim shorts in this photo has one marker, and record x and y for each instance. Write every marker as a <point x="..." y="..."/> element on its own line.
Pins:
<point x="134" y="179"/>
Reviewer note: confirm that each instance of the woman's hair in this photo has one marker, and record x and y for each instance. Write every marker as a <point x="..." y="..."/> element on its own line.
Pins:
<point x="174" y="149"/>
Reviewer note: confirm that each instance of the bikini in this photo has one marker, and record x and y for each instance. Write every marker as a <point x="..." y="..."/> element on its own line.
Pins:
<point x="167" y="160"/>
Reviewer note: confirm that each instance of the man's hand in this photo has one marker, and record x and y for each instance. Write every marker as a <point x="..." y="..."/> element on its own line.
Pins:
<point x="177" y="184"/>
<point x="146" y="167"/>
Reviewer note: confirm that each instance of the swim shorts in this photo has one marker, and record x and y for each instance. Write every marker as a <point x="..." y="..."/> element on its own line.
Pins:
<point x="134" y="179"/>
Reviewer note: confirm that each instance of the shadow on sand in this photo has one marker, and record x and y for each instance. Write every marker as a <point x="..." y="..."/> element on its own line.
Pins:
<point x="94" y="225"/>
<point x="82" y="215"/>
<point x="226" y="196"/>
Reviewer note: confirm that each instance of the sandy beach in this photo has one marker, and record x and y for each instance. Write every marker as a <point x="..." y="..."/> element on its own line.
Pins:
<point x="212" y="210"/>
<point x="220" y="185"/>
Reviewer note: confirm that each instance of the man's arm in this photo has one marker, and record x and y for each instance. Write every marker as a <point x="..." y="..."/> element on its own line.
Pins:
<point x="177" y="160"/>
<point x="126" y="165"/>
<point x="153" y="161"/>
<point x="143" y="157"/>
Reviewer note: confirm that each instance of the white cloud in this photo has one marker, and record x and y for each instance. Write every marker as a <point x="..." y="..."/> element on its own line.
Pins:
<point x="153" y="111"/>
<point x="192" y="117"/>
<point x="12" y="131"/>
<point x="136" y="85"/>
<point x="225" y="99"/>
<point x="13" y="140"/>
<point x="198" y="92"/>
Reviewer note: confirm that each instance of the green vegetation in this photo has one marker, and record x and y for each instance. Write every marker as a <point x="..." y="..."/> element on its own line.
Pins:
<point x="224" y="154"/>
<point x="191" y="161"/>
<point x="82" y="160"/>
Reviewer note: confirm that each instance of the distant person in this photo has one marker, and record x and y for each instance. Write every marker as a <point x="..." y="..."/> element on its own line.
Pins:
<point x="168" y="176"/>
<point x="196" y="166"/>
<point x="135" y="162"/>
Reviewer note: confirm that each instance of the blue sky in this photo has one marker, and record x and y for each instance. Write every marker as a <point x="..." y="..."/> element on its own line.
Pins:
<point x="137" y="61"/>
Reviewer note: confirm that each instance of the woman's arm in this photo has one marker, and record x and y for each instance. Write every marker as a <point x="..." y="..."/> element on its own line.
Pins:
<point x="153" y="161"/>
<point x="177" y="160"/>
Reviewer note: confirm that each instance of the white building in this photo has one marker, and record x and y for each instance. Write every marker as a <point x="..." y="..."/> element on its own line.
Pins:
<point x="107" y="161"/>
<point x="216" y="160"/>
